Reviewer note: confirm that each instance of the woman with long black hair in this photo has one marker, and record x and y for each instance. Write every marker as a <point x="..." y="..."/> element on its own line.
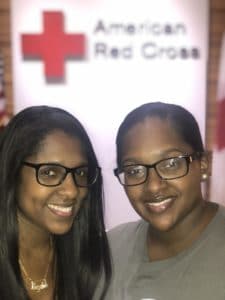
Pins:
<point x="52" y="238"/>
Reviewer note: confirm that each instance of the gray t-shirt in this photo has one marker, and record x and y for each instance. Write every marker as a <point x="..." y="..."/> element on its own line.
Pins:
<point x="197" y="273"/>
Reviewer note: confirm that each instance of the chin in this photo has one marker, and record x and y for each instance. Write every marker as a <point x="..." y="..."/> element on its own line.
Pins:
<point x="161" y="223"/>
<point x="60" y="229"/>
<point x="163" y="227"/>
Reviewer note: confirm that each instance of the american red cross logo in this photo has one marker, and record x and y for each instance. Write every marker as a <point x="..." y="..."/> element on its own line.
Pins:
<point x="53" y="46"/>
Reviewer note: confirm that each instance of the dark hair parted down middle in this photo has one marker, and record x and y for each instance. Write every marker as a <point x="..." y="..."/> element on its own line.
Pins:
<point x="82" y="253"/>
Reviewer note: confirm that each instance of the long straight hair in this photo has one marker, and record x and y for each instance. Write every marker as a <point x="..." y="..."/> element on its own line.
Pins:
<point x="82" y="254"/>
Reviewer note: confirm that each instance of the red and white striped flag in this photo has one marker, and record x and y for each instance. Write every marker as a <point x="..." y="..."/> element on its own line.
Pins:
<point x="218" y="164"/>
<point x="3" y="115"/>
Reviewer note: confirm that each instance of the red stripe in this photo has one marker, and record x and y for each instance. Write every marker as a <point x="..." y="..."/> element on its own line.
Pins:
<point x="220" y="134"/>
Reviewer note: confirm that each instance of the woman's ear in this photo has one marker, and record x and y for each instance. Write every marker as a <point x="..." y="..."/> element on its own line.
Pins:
<point x="206" y="165"/>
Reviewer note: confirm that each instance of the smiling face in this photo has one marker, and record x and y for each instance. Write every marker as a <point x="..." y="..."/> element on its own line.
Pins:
<point x="52" y="209"/>
<point x="163" y="203"/>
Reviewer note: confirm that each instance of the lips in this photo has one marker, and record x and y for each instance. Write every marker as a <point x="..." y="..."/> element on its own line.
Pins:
<point x="61" y="210"/>
<point x="161" y="205"/>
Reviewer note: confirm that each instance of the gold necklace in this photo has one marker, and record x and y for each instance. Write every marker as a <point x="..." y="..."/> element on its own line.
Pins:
<point x="40" y="284"/>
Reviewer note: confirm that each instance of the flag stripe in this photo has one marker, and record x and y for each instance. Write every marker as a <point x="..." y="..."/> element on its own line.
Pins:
<point x="220" y="134"/>
<point x="3" y="114"/>
<point x="217" y="190"/>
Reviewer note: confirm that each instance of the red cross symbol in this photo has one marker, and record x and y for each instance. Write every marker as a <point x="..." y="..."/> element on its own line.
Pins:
<point x="53" y="46"/>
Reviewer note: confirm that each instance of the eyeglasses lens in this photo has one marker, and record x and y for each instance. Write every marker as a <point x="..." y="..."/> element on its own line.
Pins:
<point x="167" y="169"/>
<point x="51" y="175"/>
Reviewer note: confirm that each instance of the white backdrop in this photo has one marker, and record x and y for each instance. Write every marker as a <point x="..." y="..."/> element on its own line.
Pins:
<point x="135" y="52"/>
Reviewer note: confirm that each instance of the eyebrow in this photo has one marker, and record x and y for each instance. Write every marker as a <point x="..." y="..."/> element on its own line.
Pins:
<point x="81" y="164"/>
<point x="163" y="155"/>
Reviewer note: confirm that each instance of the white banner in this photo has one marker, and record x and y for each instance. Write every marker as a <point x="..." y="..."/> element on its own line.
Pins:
<point x="99" y="59"/>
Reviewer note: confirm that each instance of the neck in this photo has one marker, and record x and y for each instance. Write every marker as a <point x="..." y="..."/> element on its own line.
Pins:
<point x="31" y="236"/>
<point x="36" y="258"/>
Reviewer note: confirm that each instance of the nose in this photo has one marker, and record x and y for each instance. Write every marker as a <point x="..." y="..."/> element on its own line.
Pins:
<point x="154" y="183"/>
<point x="68" y="187"/>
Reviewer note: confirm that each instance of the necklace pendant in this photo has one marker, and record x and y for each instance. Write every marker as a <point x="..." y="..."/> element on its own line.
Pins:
<point x="38" y="287"/>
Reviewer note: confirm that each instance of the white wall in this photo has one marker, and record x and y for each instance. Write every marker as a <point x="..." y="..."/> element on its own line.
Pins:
<point x="102" y="89"/>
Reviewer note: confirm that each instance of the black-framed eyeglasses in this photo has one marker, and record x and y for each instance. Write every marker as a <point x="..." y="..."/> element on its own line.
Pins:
<point x="167" y="169"/>
<point x="50" y="174"/>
